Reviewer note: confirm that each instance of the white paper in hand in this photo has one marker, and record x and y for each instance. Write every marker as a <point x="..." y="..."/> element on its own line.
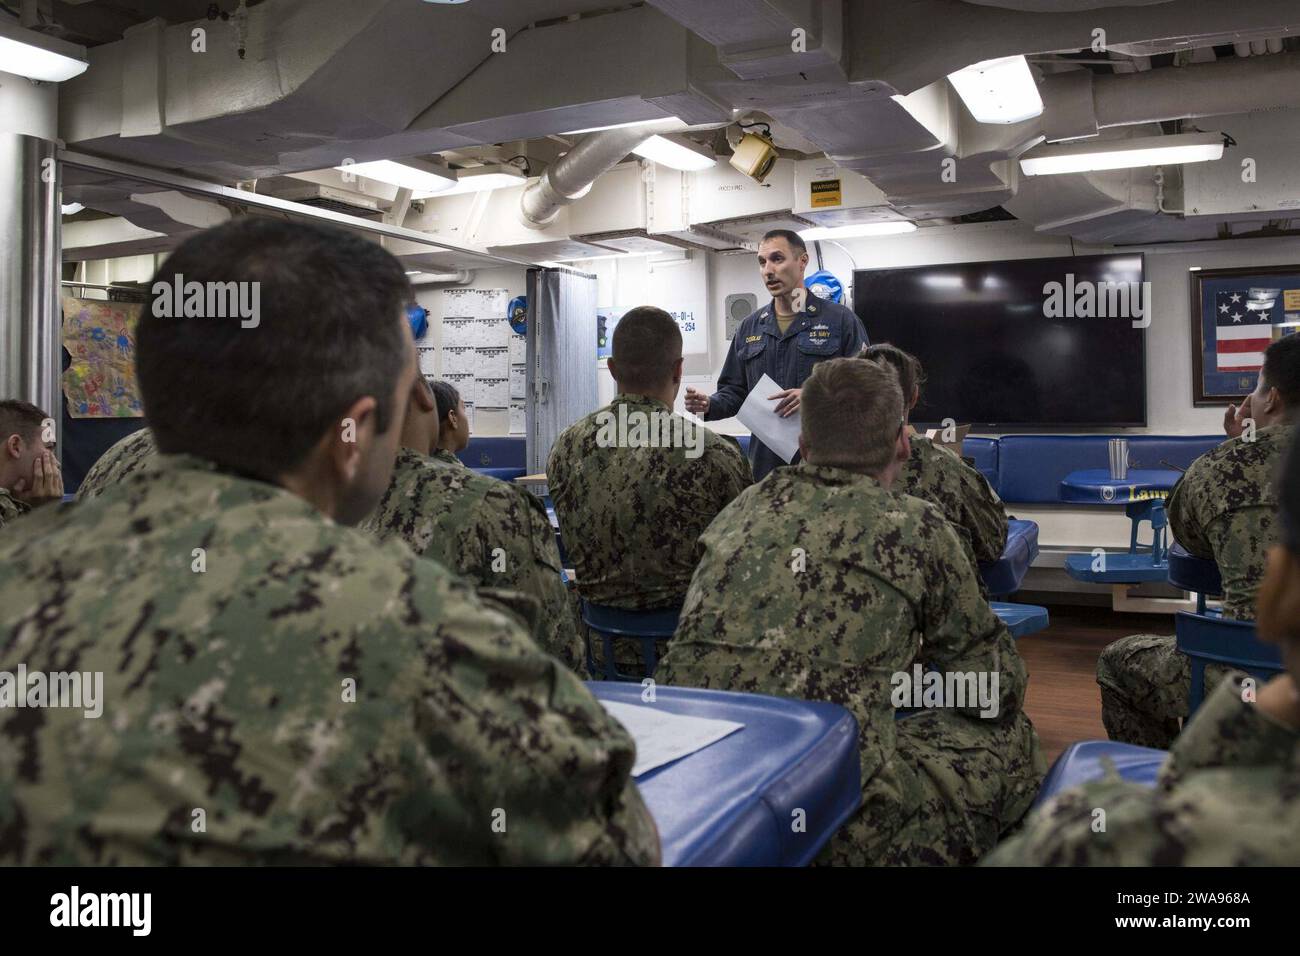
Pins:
<point x="662" y="737"/>
<point x="758" y="414"/>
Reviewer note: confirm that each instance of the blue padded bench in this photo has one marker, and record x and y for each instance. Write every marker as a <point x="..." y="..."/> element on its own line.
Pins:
<point x="733" y="803"/>
<point x="984" y="452"/>
<point x="1031" y="467"/>
<point x="499" y="457"/>
<point x="1086" y="761"/>
<point x="1003" y="576"/>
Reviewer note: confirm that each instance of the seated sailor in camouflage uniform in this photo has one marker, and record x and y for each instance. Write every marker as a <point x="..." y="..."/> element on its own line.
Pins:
<point x="939" y="476"/>
<point x="490" y="531"/>
<point x="634" y="484"/>
<point x="135" y="451"/>
<point x="820" y="582"/>
<point x="29" y="469"/>
<point x="1229" y="791"/>
<point x="273" y="686"/>
<point x="1224" y="508"/>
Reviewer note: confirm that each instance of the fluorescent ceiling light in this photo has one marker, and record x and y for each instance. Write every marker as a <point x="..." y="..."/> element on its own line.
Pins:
<point x="72" y="208"/>
<point x="1122" y="154"/>
<point x="433" y="276"/>
<point x="998" y="91"/>
<point x="677" y="152"/>
<point x="39" y="57"/>
<point x="484" y="178"/>
<point x="856" y="230"/>
<point x="423" y="179"/>
<point x="600" y="129"/>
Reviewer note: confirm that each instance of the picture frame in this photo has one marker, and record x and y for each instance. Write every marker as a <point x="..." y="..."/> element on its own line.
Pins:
<point x="1262" y="304"/>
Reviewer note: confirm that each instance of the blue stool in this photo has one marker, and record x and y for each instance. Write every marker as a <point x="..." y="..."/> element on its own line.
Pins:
<point x="1199" y="576"/>
<point x="1206" y="638"/>
<point x="1083" y="763"/>
<point x="1021" y="619"/>
<point x="645" y="626"/>
<point x="1138" y="566"/>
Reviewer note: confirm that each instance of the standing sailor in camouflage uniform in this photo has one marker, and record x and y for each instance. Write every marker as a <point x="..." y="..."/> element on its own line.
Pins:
<point x="490" y="531"/>
<point x="124" y="456"/>
<point x="784" y="340"/>
<point x="29" y="468"/>
<point x="1229" y="792"/>
<point x="260" y="682"/>
<point x="938" y="476"/>
<point x="1225" y="509"/>
<point x="822" y="583"/>
<point x="634" y="485"/>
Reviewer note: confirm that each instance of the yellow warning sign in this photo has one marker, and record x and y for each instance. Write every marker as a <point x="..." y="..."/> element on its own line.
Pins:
<point x="825" y="192"/>
<point x="1291" y="300"/>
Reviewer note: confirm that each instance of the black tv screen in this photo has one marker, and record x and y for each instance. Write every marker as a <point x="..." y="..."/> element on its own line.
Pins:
<point x="1032" y="343"/>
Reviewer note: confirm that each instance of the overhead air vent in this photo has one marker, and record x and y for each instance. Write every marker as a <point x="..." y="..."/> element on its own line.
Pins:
<point x="996" y="214"/>
<point x="319" y="196"/>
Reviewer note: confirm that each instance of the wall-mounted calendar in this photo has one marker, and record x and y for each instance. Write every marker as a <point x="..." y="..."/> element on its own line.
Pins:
<point x="481" y="354"/>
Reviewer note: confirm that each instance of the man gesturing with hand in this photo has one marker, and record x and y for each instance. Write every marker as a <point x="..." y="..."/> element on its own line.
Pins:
<point x="782" y="340"/>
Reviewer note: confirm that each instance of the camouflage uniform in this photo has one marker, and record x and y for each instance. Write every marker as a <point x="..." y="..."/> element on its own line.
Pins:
<point x="974" y="510"/>
<point x="1228" y="795"/>
<point x="125" y="456"/>
<point x="883" y="584"/>
<point x="1225" y="509"/>
<point x="11" y="508"/>
<point x="631" y="516"/>
<point x="458" y="517"/>
<point x="225" y="691"/>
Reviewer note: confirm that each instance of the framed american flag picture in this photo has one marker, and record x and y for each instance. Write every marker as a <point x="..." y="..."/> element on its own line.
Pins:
<point x="1236" y="315"/>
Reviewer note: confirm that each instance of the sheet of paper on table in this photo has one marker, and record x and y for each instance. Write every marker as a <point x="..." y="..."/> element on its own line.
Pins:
<point x="758" y="414"/>
<point x="662" y="737"/>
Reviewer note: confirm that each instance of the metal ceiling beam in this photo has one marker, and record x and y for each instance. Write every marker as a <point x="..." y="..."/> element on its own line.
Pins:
<point x="196" y="187"/>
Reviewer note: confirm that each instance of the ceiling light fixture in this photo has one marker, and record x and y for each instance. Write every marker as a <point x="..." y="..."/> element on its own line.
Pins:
<point x="856" y="230"/>
<point x="998" y="91"/>
<point x="482" y="178"/>
<point x="422" y="178"/>
<point x="601" y="129"/>
<point x="1122" y="154"/>
<point x="677" y="152"/>
<point x="39" y="57"/>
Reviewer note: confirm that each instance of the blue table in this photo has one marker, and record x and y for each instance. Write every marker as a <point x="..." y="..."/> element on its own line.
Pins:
<point x="1088" y="760"/>
<point x="1004" y="575"/>
<point x="1021" y="619"/>
<point x="733" y="803"/>
<point x="1143" y="495"/>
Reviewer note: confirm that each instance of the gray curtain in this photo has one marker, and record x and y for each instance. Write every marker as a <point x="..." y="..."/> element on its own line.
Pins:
<point x="561" y="356"/>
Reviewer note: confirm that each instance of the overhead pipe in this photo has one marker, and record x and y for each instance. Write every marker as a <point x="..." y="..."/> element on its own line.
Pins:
<point x="569" y="177"/>
<point x="1077" y="103"/>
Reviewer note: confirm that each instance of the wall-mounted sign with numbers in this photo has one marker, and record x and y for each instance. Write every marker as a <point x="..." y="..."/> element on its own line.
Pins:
<point x="695" y="331"/>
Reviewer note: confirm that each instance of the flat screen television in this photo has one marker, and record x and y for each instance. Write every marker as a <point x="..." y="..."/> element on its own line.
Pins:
<point x="1023" y="343"/>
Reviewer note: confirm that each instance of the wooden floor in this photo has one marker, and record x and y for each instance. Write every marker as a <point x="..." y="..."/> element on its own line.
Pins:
<point x="1064" y="701"/>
